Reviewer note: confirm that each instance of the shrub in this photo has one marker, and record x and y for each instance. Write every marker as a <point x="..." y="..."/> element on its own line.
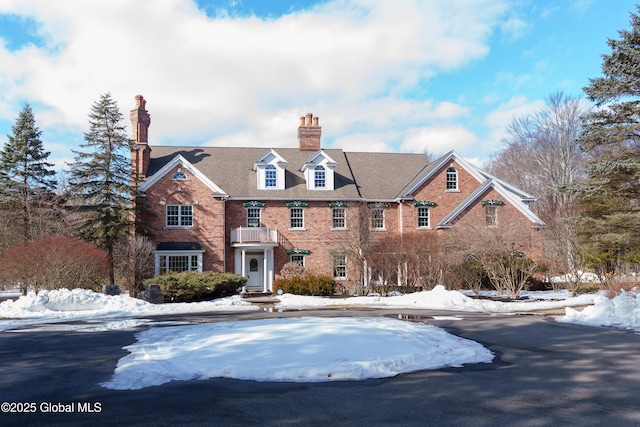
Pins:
<point x="310" y="284"/>
<point x="191" y="286"/>
<point x="55" y="262"/>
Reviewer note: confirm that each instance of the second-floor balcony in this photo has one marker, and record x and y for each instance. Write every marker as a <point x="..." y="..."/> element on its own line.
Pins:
<point x="255" y="235"/>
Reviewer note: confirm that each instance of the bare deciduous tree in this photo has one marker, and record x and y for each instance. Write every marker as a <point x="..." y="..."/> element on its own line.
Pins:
<point x="501" y="251"/>
<point x="542" y="155"/>
<point x="134" y="261"/>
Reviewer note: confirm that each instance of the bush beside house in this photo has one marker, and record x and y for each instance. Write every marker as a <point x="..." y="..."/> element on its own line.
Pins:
<point x="308" y="284"/>
<point x="193" y="286"/>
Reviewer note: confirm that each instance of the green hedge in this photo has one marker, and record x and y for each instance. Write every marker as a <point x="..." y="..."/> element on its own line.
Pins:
<point x="311" y="284"/>
<point x="194" y="286"/>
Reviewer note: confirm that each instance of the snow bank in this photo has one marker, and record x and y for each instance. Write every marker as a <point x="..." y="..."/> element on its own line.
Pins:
<point x="438" y="298"/>
<point x="622" y="311"/>
<point x="294" y="350"/>
<point x="63" y="304"/>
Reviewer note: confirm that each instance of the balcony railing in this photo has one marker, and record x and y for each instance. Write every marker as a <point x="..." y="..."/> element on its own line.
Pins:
<point x="254" y="235"/>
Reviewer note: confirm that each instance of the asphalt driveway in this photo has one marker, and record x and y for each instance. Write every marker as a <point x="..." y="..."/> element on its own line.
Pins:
<point x="544" y="374"/>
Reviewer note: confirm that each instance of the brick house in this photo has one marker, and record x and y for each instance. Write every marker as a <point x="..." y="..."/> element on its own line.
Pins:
<point x="252" y="210"/>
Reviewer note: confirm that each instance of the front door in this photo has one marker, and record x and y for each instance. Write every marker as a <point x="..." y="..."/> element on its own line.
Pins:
<point x="254" y="271"/>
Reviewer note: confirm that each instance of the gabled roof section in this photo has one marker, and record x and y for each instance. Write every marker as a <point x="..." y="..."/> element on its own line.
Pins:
<point x="522" y="194"/>
<point x="473" y="198"/>
<point x="231" y="168"/>
<point x="267" y="157"/>
<point x="436" y="166"/>
<point x="176" y="161"/>
<point x="313" y="160"/>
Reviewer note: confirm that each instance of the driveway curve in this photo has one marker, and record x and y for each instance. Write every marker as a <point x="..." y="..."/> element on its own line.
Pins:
<point x="544" y="374"/>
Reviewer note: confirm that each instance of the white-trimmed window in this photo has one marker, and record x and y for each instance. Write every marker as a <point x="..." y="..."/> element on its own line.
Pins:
<point x="178" y="262"/>
<point x="339" y="267"/>
<point x="179" y="215"/>
<point x="320" y="177"/>
<point x="253" y="217"/>
<point x="423" y="217"/>
<point x="339" y="216"/>
<point x="270" y="177"/>
<point x="297" y="258"/>
<point x="452" y="178"/>
<point x="296" y="218"/>
<point x="377" y="219"/>
<point x="491" y="215"/>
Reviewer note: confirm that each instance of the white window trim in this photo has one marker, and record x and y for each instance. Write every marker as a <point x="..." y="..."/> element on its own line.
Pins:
<point x="291" y="218"/>
<point x="302" y="258"/>
<point x="384" y="220"/>
<point x="319" y="169"/>
<point x="159" y="254"/>
<point x="428" y="226"/>
<point x="180" y="216"/>
<point x="259" y="216"/>
<point x="495" y="215"/>
<point x="457" y="180"/>
<point x="274" y="169"/>
<point x="344" y="258"/>
<point x="333" y="218"/>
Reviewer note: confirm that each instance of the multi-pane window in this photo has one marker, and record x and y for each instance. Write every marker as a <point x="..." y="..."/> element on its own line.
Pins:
<point x="320" y="178"/>
<point x="452" y="179"/>
<point x="377" y="219"/>
<point x="297" y="258"/>
<point x="423" y="217"/>
<point x="339" y="267"/>
<point x="491" y="215"/>
<point x="178" y="263"/>
<point x="270" y="177"/>
<point x="179" y="216"/>
<point x="253" y="217"/>
<point x="339" y="218"/>
<point x="297" y="217"/>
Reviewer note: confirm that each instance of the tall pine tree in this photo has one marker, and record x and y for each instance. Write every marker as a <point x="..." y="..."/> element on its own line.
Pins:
<point x="26" y="183"/>
<point x="99" y="184"/>
<point x="610" y="199"/>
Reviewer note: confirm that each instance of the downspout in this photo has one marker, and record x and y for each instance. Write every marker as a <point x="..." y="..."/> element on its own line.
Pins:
<point x="400" y="222"/>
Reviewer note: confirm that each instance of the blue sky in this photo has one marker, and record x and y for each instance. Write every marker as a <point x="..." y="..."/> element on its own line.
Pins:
<point x="405" y="76"/>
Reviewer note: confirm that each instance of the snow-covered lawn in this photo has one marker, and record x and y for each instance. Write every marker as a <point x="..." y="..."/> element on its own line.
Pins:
<point x="294" y="349"/>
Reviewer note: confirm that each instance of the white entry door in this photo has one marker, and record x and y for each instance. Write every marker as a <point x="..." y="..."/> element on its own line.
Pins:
<point x="254" y="271"/>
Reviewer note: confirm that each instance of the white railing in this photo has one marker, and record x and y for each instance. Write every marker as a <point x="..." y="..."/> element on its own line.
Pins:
<point x="254" y="235"/>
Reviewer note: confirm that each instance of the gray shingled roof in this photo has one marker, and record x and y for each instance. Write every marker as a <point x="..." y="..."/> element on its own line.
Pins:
<point x="231" y="168"/>
<point x="382" y="176"/>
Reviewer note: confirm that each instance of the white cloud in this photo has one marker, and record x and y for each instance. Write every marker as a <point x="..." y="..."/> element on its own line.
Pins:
<point x="244" y="79"/>
<point x="437" y="139"/>
<point x="499" y="119"/>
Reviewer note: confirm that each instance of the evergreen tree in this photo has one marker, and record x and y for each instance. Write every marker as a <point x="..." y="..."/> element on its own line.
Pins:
<point x="99" y="185"/>
<point x="26" y="183"/>
<point x="610" y="199"/>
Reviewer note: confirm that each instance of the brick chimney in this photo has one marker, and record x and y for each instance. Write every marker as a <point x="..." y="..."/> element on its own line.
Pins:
<point x="140" y="150"/>
<point x="309" y="133"/>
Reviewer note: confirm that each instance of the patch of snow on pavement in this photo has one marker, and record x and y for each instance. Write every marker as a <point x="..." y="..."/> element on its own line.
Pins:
<point x="293" y="350"/>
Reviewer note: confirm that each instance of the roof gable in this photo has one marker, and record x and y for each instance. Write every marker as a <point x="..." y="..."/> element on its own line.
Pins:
<point x="176" y="161"/>
<point x="270" y="157"/>
<point x="475" y="196"/>
<point x="319" y="157"/>
<point x="439" y="164"/>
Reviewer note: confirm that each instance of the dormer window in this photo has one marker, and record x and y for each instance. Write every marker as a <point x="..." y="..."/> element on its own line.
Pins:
<point x="270" y="177"/>
<point x="319" y="171"/>
<point x="452" y="179"/>
<point x="270" y="171"/>
<point x="320" y="179"/>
